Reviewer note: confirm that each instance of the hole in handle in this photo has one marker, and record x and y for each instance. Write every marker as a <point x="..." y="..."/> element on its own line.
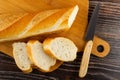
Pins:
<point x="100" y="48"/>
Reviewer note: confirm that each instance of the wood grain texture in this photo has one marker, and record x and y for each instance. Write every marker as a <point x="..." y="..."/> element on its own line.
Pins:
<point x="85" y="59"/>
<point x="113" y="1"/>
<point x="108" y="68"/>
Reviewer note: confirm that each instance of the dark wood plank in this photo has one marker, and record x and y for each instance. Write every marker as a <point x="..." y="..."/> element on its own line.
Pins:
<point x="113" y="1"/>
<point x="108" y="68"/>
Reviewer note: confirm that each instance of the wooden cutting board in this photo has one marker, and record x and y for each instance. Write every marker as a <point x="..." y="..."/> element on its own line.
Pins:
<point x="77" y="31"/>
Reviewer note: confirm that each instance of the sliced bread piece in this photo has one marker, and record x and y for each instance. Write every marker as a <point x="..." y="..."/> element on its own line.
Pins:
<point x="60" y="48"/>
<point x="52" y="68"/>
<point x="38" y="57"/>
<point x="56" y="66"/>
<point x="20" y="55"/>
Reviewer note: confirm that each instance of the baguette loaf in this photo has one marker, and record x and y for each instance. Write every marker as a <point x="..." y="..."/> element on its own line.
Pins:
<point x="15" y="29"/>
<point x="38" y="57"/>
<point x="60" y="48"/>
<point x="20" y="55"/>
<point x="7" y="19"/>
<point x="24" y="24"/>
<point x="53" y="23"/>
<point x="40" y="23"/>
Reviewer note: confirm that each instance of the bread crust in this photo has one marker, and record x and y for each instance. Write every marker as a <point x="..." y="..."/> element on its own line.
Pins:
<point x="13" y="31"/>
<point x="59" y="20"/>
<point x="25" y="71"/>
<point x="8" y="19"/>
<point x="56" y="66"/>
<point x="29" y="51"/>
<point x="52" y="68"/>
<point x="28" y="70"/>
<point x="47" y="47"/>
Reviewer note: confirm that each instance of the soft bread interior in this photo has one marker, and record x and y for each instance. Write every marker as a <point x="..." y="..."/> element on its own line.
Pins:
<point x="60" y="48"/>
<point x="39" y="57"/>
<point x="21" y="56"/>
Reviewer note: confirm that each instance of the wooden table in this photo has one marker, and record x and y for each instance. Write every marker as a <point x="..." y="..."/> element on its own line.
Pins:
<point x="107" y="68"/>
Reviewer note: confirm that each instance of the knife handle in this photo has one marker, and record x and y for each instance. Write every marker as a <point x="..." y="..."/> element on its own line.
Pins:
<point x="102" y="44"/>
<point x="85" y="59"/>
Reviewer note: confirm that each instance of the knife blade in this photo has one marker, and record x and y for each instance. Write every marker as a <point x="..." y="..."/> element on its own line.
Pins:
<point x="89" y="39"/>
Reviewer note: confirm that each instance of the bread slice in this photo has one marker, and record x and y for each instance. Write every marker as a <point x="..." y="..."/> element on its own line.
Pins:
<point x="56" y="66"/>
<point x="52" y="68"/>
<point x="60" y="48"/>
<point x="20" y="55"/>
<point x="38" y="57"/>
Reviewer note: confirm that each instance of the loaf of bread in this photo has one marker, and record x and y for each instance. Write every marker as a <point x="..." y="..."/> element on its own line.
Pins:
<point x="20" y="55"/>
<point x="15" y="29"/>
<point x="60" y="48"/>
<point x="7" y="19"/>
<point x="53" y="23"/>
<point x="43" y="22"/>
<point x="38" y="57"/>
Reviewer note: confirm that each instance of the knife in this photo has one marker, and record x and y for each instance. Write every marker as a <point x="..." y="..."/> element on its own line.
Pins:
<point x="89" y="39"/>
